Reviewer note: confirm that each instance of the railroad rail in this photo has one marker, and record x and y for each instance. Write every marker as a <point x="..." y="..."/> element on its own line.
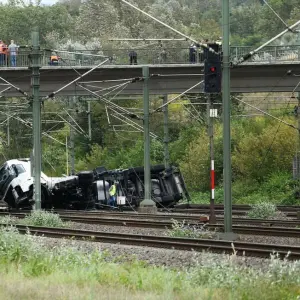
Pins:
<point x="240" y="212"/>
<point x="241" y="207"/>
<point x="219" y="246"/>
<point x="240" y="229"/>
<point x="168" y="217"/>
<point x="166" y="224"/>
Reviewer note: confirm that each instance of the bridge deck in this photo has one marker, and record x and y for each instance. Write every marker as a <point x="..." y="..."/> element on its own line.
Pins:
<point x="175" y="78"/>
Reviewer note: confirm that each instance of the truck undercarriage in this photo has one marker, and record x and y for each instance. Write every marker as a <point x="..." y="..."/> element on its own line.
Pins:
<point x="89" y="189"/>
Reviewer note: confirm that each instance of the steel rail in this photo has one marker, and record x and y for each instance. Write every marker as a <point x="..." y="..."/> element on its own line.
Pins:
<point x="166" y="224"/>
<point x="241" y="248"/>
<point x="289" y="208"/>
<point x="221" y="212"/>
<point x="166" y="217"/>
<point x="240" y="229"/>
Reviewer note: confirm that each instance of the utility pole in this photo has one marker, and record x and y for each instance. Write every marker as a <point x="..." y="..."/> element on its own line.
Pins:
<point x="298" y="154"/>
<point x="36" y="111"/>
<point x="166" y="131"/>
<point x="8" y="130"/>
<point x="71" y="141"/>
<point x="210" y="125"/>
<point x="226" y="122"/>
<point x="89" y="113"/>
<point x="298" y="146"/>
<point x="147" y="205"/>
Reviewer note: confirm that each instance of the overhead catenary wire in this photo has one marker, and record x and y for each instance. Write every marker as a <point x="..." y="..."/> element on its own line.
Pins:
<point x="102" y="98"/>
<point x="74" y="121"/>
<point x="110" y="80"/>
<point x="251" y="53"/>
<point x="29" y="125"/>
<point x="117" y="107"/>
<point x="277" y="15"/>
<point x="107" y="88"/>
<point x="6" y="89"/>
<point x="78" y="53"/>
<point x="178" y="96"/>
<point x="131" y="123"/>
<point x="148" y="39"/>
<point x="75" y="80"/>
<point x="175" y="75"/>
<point x="267" y="114"/>
<point x="15" y="87"/>
<point x="206" y="46"/>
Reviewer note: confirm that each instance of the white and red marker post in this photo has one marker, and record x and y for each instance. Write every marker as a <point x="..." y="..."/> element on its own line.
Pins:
<point x="212" y="113"/>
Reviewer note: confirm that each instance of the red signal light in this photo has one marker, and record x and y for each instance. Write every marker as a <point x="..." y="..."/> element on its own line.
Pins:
<point x="213" y="69"/>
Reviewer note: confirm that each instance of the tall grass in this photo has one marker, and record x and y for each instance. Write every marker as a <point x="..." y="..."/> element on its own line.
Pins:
<point x="75" y="274"/>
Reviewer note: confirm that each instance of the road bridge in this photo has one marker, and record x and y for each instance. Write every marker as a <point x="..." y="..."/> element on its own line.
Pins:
<point x="165" y="79"/>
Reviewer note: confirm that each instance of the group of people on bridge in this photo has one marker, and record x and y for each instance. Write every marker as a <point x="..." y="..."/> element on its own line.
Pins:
<point x="8" y="54"/>
<point x="196" y="53"/>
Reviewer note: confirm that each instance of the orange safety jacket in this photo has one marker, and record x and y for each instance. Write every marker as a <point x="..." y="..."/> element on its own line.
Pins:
<point x="4" y="48"/>
<point x="53" y="57"/>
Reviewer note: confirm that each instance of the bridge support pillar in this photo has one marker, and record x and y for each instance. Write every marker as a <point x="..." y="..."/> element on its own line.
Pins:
<point x="147" y="205"/>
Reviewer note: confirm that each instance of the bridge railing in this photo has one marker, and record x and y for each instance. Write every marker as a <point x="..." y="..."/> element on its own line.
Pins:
<point x="151" y="56"/>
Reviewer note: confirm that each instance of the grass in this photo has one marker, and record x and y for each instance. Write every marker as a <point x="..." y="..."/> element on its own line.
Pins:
<point x="30" y="270"/>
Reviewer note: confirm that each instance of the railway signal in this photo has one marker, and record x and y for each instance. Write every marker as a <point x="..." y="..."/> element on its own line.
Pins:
<point x="212" y="75"/>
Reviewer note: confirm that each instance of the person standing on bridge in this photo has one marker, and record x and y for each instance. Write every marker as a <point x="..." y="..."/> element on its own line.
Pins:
<point x="3" y="51"/>
<point x="12" y="50"/>
<point x="133" y="57"/>
<point x="192" y="53"/>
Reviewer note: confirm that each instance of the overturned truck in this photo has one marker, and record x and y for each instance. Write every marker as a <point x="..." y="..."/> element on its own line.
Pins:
<point x="88" y="189"/>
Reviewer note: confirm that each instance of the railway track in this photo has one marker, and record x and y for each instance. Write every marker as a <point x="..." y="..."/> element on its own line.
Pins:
<point x="167" y="217"/>
<point x="167" y="224"/>
<point x="251" y="230"/>
<point x="219" y="246"/>
<point x="292" y="214"/>
<point x="237" y="209"/>
<point x="241" y="207"/>
<point x="188" y="218"/>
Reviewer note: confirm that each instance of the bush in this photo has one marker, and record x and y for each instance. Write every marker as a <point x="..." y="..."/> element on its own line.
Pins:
<point x="43" y="218"/>
<point x="181" y="229"/>
<point x="264" y="210"/>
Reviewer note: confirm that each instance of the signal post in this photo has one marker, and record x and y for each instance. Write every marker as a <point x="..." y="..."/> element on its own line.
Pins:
<point x="212" y="86"/>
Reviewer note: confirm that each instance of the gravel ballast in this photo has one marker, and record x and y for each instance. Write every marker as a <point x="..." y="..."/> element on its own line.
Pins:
<point x="153" y="256"/>
<point x="278" y="240"/>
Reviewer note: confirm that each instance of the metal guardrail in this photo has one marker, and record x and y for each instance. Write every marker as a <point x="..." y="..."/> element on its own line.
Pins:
<point x="272" y="54"/>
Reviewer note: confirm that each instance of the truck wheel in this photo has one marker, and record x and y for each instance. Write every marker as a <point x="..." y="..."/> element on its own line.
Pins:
<point x="85" y="177"/>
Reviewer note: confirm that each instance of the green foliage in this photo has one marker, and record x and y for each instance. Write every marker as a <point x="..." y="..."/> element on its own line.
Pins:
<point x="43" y="218"/>
<point x="260" y="155"/>
<point x="181" y="229"/>
<point x="18" y="21"/>
<point x="28" y="258"/>
<point x="260" y="147"/>
<point x="263" y="210"/>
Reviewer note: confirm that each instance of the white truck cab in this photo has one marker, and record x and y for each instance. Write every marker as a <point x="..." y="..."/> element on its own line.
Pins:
<point x="16" y="182"/>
